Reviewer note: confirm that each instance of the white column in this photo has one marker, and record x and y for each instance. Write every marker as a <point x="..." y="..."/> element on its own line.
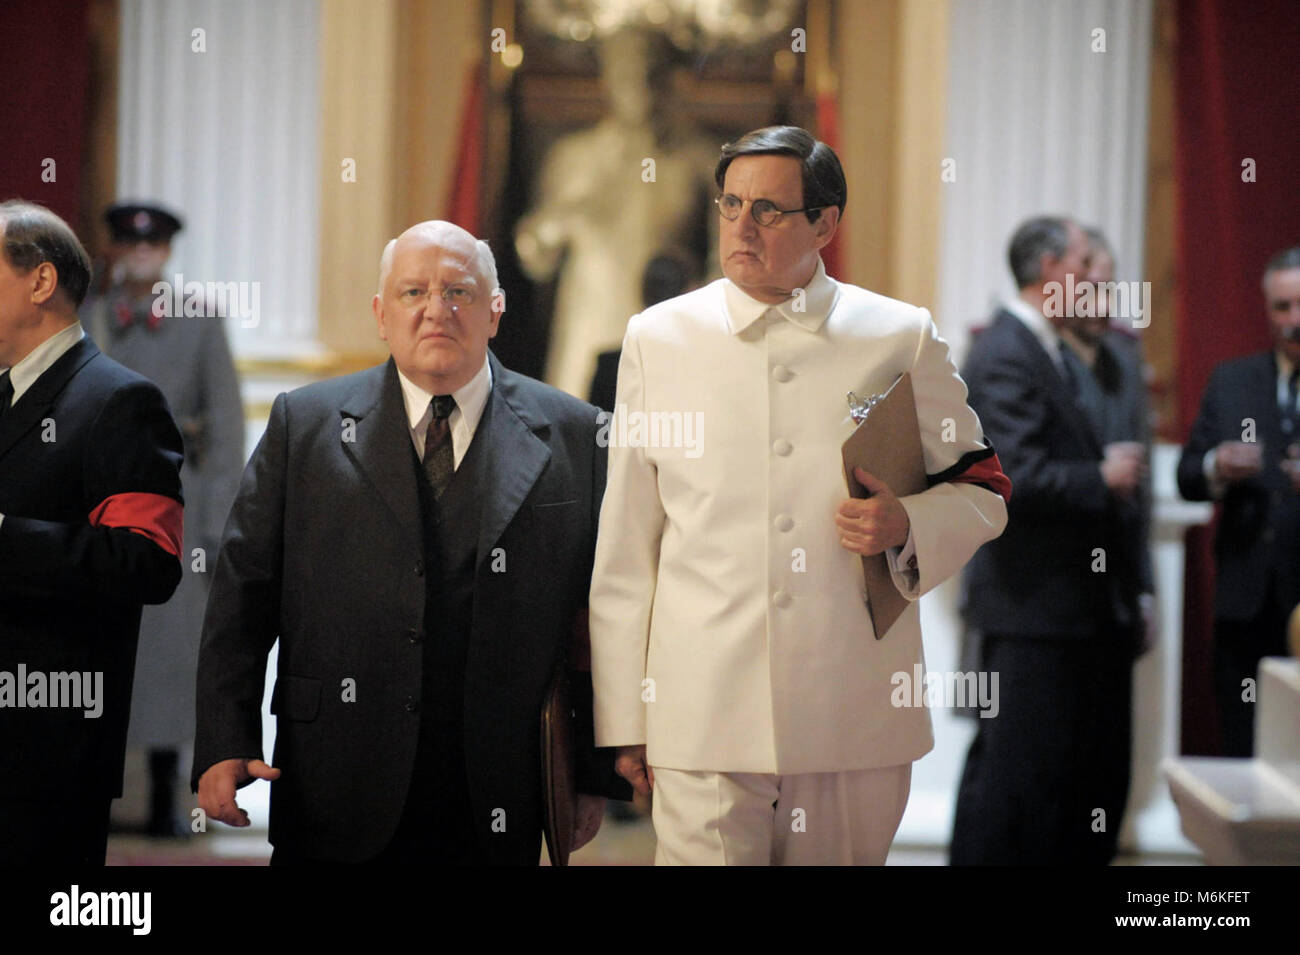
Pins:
<point x="1151" y="821"/>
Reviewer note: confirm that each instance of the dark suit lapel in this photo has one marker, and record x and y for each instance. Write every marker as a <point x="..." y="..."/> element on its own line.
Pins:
<point x="1092" y="398"/>
<point x="1045" y="370"/>
<point x="382" y="449"/>
<point x="513" y="457"/>
<point x="35" y="403"/>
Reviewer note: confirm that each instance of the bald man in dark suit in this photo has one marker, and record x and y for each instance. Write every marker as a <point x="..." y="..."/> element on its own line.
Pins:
<point x="419" y="538"/>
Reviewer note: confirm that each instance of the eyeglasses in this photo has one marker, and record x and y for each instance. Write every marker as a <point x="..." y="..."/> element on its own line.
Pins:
<point x="764" y="211"/>
<point x="457" y="296"/>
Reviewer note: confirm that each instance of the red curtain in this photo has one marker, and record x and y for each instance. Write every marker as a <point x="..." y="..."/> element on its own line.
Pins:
<point x="44" y="70"/>
<point x="828" y="131"/>
<point x="462" y="205"/>
<point x="1237" y="99"/>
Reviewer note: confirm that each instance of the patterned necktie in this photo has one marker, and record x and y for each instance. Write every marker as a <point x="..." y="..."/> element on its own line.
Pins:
<point x="6" y="392"/>
<point x="439" y="456"/>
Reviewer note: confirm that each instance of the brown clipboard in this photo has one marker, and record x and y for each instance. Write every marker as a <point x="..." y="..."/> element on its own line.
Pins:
<point x="886" y="444"/>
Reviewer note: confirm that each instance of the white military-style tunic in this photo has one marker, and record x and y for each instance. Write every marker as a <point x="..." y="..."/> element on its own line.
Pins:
<point x="729" y="630"/>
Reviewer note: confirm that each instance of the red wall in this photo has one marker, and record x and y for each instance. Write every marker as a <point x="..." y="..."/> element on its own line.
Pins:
<point x="1238" y="97"/>
<point x="44" y="71"/>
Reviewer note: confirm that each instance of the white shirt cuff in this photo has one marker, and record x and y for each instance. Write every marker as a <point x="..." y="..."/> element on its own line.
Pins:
<point x="902" y="561"/>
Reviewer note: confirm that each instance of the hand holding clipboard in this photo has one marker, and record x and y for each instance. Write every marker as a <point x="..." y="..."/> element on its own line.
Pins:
<point x="887" y="444"/>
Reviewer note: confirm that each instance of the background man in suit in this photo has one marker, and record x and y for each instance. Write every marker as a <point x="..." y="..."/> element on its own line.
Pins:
<point x="1244" y="452"/>
<point x="90" y="529"/>
<point x="1056" y="597"/>
<point x="419" y="536"/>
<point x="1114" y="397"/>
<point x="734" y="658"/>
<point x="188" y="357"/>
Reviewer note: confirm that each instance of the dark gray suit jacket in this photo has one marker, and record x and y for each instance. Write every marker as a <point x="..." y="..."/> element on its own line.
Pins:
<point x="1257" y="542"/>
<point x="1037" y="579"/>
<point x="1127" y="417"/>
<point x="323" y="549"/>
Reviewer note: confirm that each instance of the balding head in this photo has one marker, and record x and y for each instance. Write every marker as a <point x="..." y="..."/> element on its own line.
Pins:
<point x="449" y="235"/>
<point x="434" y="307"/>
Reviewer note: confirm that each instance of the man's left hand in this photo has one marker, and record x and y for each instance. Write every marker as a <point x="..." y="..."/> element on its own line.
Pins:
<point x="587" y="819"/>
<point x="873" y="525"/>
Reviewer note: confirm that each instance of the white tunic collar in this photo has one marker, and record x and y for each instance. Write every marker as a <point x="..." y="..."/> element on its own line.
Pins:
<point x="808" y="311"/>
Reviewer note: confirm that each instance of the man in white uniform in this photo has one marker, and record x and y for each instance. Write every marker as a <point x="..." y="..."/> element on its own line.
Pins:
<point x="734" y="660"/>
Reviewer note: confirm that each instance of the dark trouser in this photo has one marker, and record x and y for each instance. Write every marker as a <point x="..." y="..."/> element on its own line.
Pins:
<point x="1238" y="648"/>
<point x="163" y="821"/>
<point x="54" y="833"/>
<point x="435" y="824"/>
<point x="435" y="827"/>
<point x="1057" y="752"/>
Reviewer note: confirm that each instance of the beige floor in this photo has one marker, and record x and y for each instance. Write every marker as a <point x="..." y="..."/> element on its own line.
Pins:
<point x="618" y="843"/>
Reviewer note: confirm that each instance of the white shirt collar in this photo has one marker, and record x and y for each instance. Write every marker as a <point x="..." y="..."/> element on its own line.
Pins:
<point x="1035" y="321"/>
<point x="38" y="361"/>
<point x="1284" y="369"/>
<point x="471" y="398"/>
<point x="1284" y="366"/>
<point x="813" y="307"/>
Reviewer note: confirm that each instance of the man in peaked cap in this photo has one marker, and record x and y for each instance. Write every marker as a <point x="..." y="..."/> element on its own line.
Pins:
<point x="130" y="222"/>
<point x="189" y="358"/>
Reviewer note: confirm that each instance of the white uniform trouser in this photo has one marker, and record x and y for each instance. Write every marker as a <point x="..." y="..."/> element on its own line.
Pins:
<point x="847" y="818"/>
